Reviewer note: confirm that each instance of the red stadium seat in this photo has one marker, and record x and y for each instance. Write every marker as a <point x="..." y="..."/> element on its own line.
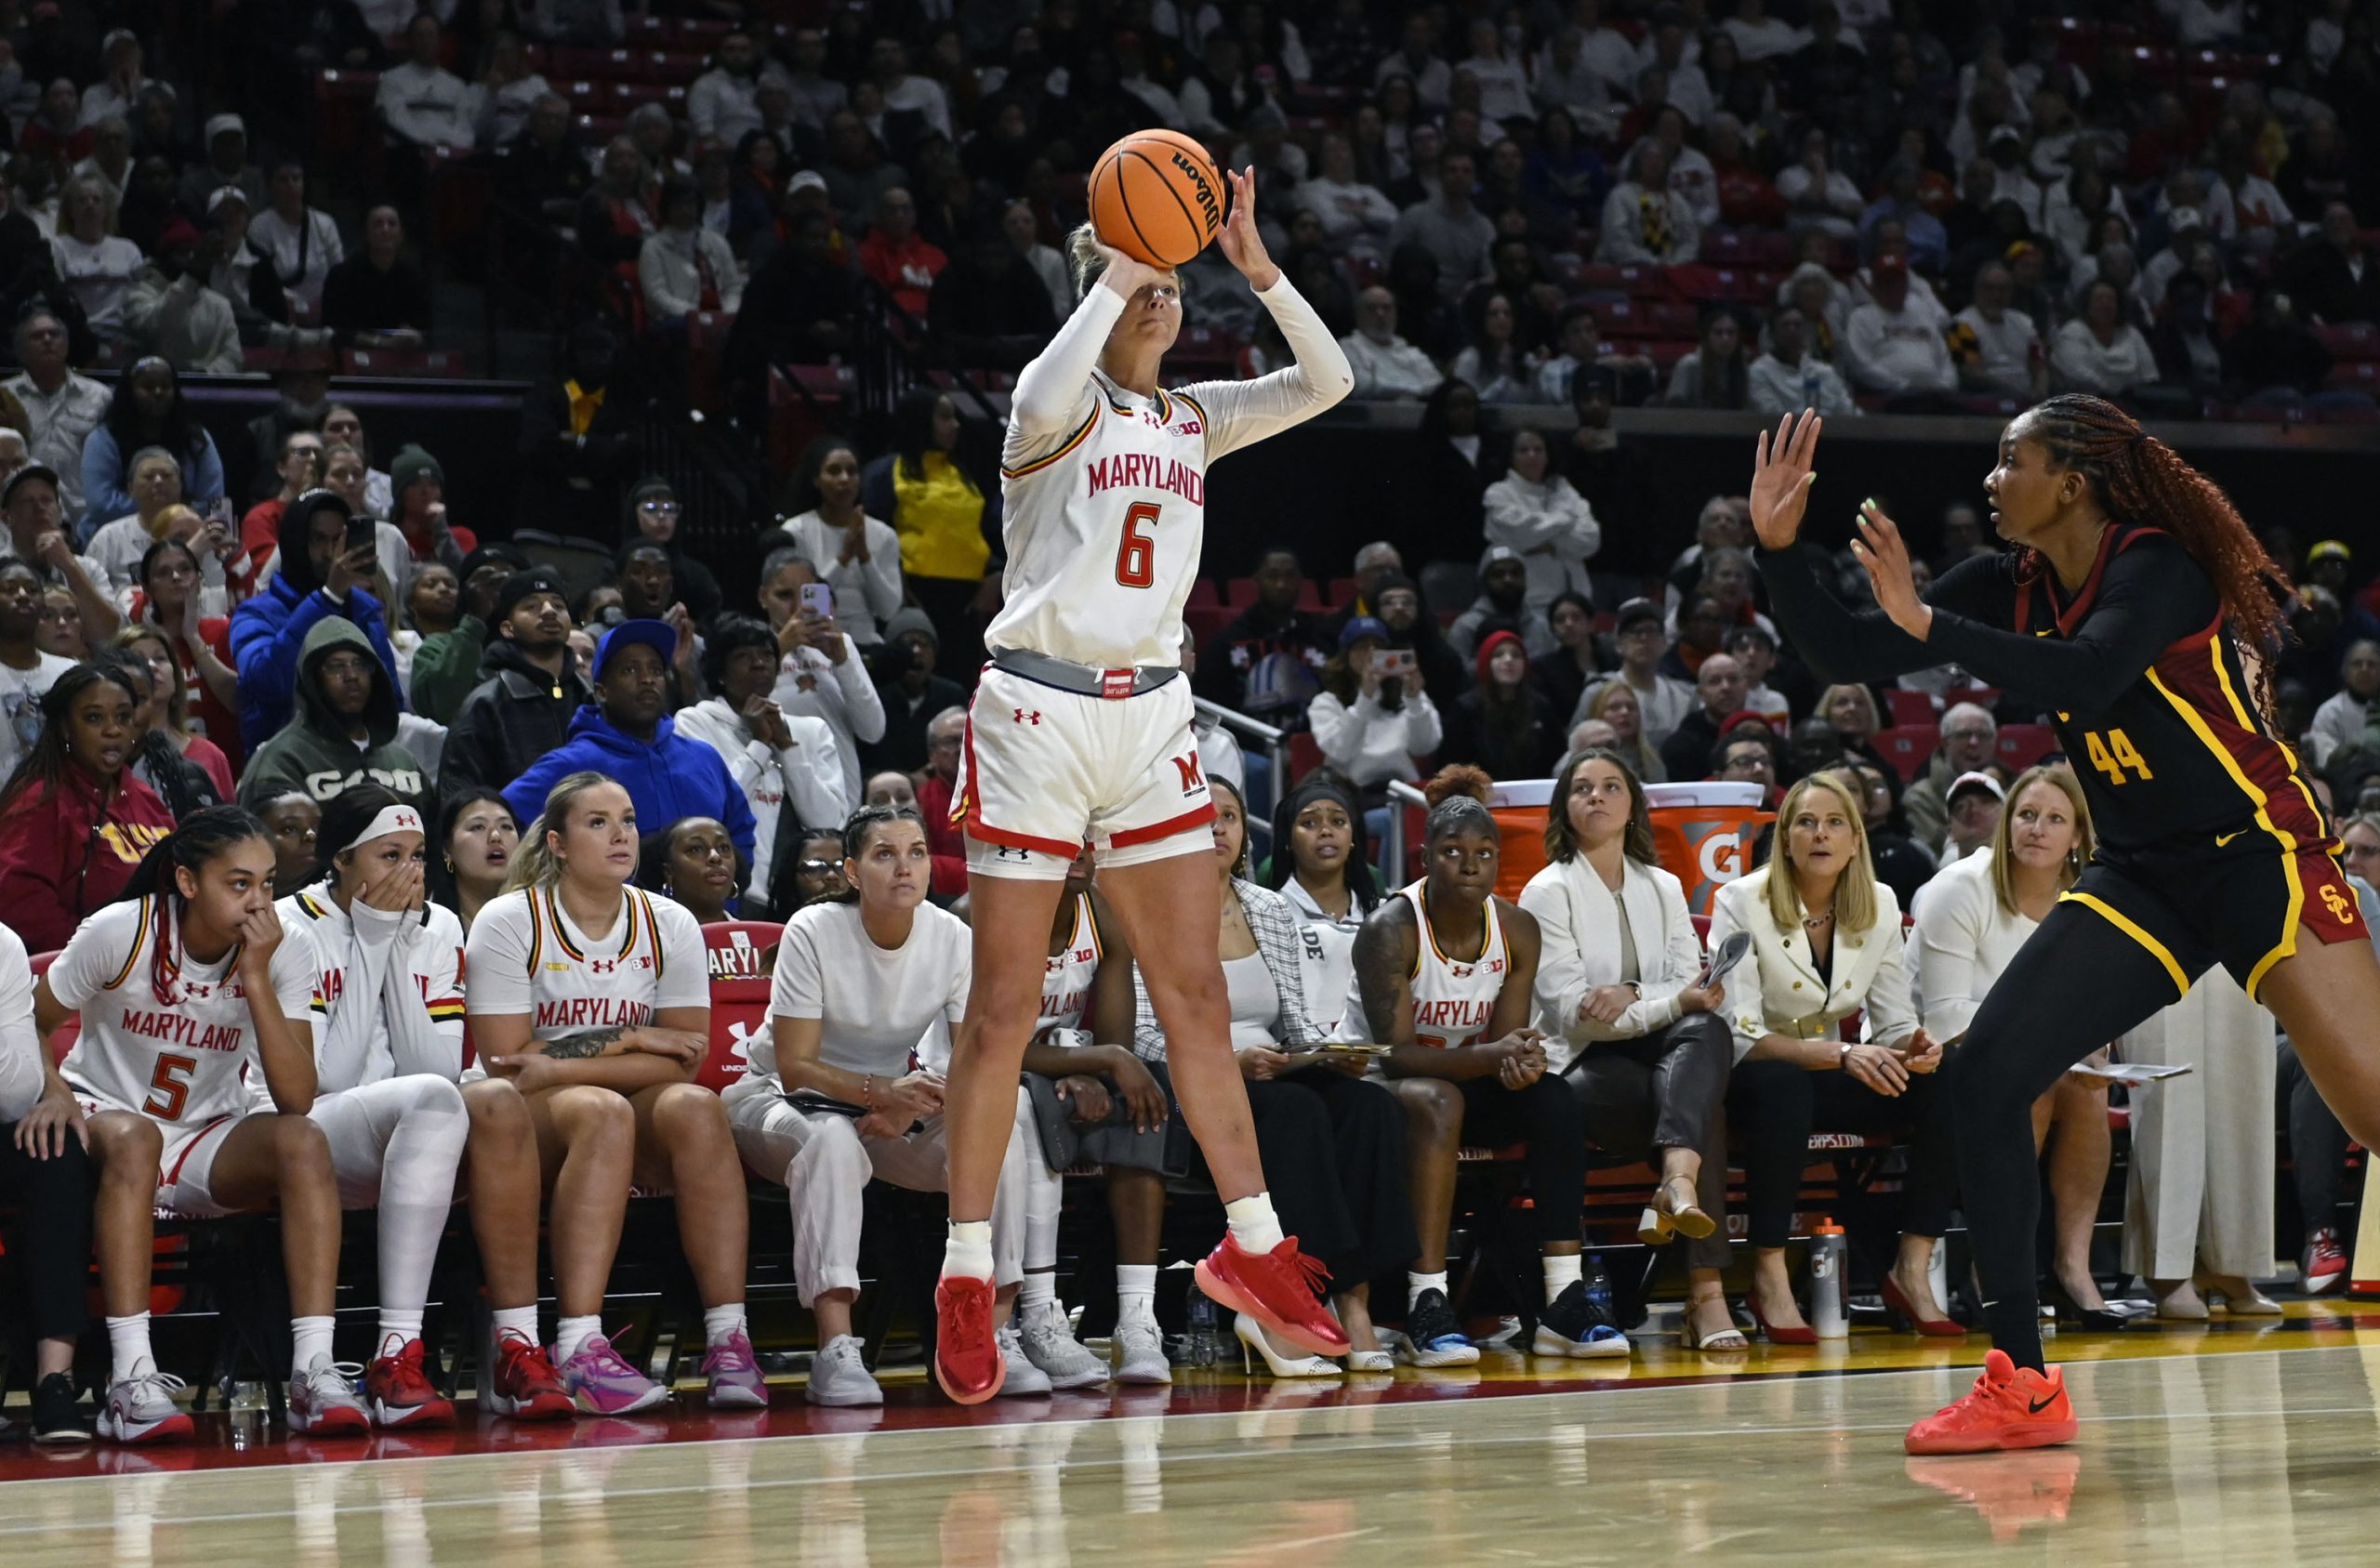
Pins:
<point x="2021" y="746"/>
<point x="1342" y="592"/>
<point x="2351" y="340"/>
<point x="1306" y="756"/>
<point x="1907" y="747"/>
<point x="739" y="996"/>
<point x="1205" y="622"/>
<point x="1238" y="593"/>
<point x="1202" y="594"/>
<point x="1981" y="697"/>
<point x="1910" y="707"/>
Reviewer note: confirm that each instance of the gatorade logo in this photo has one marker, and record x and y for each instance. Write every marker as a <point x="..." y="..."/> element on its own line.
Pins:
<point x="1718" y="851"/>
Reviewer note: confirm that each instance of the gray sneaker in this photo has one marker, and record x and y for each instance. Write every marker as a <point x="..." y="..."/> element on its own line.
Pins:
<point x="1050" y="1344"/>
<point x="839" y="1376"/>
<point x="1022" y="1377"/>
<point x="1140" y="1354"/>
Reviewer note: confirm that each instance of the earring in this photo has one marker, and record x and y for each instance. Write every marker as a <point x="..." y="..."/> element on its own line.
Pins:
<point x="449" y="865"/>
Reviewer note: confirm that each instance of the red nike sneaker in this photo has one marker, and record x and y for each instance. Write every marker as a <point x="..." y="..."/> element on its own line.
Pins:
<point x="967" y="1359"/>
<point x="398" y="1393"/>
<point x="527" y="1388"/>
<point x="1280" y="1288"/>
<point x="2008" y="1407"/>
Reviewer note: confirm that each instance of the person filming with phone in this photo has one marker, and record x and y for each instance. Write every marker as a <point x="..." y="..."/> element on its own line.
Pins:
<point x="1372" y="717"/>
<point x="327" y="556"/>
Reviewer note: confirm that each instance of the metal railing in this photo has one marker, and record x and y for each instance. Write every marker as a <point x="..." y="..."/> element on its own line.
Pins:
<point x="1392" y="854"/>
<point x="1277" y="751"/>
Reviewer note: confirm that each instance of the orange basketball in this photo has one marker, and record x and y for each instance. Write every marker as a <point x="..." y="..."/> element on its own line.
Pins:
<point x="1155" y="196"/>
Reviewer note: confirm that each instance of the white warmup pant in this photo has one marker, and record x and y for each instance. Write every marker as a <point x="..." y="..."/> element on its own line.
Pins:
<point x="395" y="1145"/>
<point x="2201" y="1193"/>
<point x="826" y="1163"/>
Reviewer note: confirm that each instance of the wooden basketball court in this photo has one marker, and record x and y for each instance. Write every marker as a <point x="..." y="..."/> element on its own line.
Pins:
<point x="2240" y="1443"/>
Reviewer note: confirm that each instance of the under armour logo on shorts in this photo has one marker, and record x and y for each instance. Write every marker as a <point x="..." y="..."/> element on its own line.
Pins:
<point x="1011" y="853"/>
<point x="1023" y="718"/>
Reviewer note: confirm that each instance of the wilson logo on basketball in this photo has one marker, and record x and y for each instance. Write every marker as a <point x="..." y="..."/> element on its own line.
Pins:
<point x="1208" y="202"/>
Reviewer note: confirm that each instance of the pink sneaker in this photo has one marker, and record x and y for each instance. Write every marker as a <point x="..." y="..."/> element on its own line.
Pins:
<point x="734" y="1373"/>
<point x="600" y="1383"/>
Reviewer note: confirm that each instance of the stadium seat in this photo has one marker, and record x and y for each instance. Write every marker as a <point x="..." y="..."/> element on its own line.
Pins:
<point x="1907" y="747"/>
<point x="1202" y="594"/>
<point x="2021" y="746"/>
<point x="1910" y="707"/>
<point x="739" y="996"/>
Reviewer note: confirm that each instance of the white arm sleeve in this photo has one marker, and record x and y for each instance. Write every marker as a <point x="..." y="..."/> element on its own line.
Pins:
<point x="861" y="706"/>
<point x="420" y="999"/>
<point x="1243" y="412"/>
<point x="813" y="770"/>
<point x="1054" y="392"/>
<point x="346" y="1030"/>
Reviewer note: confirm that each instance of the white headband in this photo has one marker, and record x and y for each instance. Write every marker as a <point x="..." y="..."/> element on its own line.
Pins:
<point x="399" y="818"/>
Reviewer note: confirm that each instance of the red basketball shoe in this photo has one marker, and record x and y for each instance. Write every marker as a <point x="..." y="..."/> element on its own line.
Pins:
<point x="399" y="1393"/>
<point x="1280" y="1288"/>
<point x="2009" y="1407"/>
<point x="967" y="1359"/>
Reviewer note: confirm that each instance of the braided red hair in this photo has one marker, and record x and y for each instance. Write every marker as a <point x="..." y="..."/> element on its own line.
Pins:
<point x="2140" y="480"/>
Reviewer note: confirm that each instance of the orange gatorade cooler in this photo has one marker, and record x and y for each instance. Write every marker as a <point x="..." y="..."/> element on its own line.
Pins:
<point x="1704" y="834"/>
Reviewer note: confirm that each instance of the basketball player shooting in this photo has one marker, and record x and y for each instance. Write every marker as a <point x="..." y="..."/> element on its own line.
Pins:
<point x="1080" y="729"/>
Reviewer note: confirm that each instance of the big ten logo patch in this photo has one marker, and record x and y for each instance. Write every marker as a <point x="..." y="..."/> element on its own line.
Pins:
<point x="738" y="959"/>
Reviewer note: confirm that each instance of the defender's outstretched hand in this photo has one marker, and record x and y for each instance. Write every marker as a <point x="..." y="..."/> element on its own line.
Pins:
<point x="1781" y="478"/>
<point x="1241" y="244"/>
<point x="1882" y="550"/>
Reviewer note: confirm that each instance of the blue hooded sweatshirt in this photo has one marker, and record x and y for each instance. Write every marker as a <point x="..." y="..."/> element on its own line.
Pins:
<point x="667" y="779"/>
<point x="269" y="631"/>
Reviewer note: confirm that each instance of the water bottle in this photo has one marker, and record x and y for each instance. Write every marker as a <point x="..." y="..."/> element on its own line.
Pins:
<point x="1598" y="1283"/>
<point x="1829" y="1303"/>
<point x="1201" y="1343"/>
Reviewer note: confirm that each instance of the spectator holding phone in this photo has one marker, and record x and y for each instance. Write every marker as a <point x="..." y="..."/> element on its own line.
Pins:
<point x="1372" y="718"/>
<point x="327" y="556"/>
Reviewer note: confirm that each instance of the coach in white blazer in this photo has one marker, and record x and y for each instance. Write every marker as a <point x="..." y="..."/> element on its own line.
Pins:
<point x="1626" y="1023"/>
<point x="1826" y="942"/>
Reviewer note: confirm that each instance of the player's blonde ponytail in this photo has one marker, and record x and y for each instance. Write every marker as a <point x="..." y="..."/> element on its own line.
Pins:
<point x="1085" y="259"/>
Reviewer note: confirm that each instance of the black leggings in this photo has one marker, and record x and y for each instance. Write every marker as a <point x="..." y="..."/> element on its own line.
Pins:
<point x="1333" y="1148"/>
<point x="2317" y="1145"/>
<point x="1547" y="1114"/>
<point x="53" y="1201"/>
<point x="2076" y="984"/>
<point x="1774" y="1107"/>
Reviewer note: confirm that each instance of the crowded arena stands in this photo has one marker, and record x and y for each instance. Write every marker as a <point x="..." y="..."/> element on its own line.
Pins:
<point x="504" y="508"/>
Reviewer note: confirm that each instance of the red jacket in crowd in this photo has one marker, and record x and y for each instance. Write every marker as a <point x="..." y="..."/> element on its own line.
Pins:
<point x="64" y="856"/>
<point x="944" y="842"/>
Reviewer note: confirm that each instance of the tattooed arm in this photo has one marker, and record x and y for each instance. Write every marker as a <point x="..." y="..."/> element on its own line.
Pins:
<point x="1385" y="951"/>
<point x="626" y="1059"/>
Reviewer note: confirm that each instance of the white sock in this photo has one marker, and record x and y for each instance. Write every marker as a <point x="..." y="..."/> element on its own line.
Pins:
<point x="1561" y="1274"/>
<point x="517" y="1320"/>
<point x="397" y="1327"/>
<point x="1253" y="1224"/>
<point x="1038" y="1290"/>
<point x="967" y="1253"/>
<point x="1136" y="1293"/>
<point x="310" y="1340"/>
<point x="1045" y="1194"/>
<point x="1415" y="1284"/>
<point x="129" y="1346"/>
<point x="721" y="1322"/>
<point x="572" y="1334"/>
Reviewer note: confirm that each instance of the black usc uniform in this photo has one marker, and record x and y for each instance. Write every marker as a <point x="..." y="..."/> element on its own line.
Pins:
<point x="2211" y="848"/>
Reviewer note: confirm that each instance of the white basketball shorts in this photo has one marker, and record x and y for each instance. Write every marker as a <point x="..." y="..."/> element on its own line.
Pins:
<point x="1044" y="770"/>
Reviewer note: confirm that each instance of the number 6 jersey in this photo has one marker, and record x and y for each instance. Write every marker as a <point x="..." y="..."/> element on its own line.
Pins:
<point x="1105" y="492"/>
<point x="163" y="1035"/>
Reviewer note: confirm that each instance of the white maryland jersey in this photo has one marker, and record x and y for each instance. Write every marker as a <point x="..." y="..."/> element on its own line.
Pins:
<point x="1452" y="999"/>
<point x="180" y="1059"/>
<point x="1104" y="492"/>
<point x="1065" y="984"/>
<point x="362" y="1035"/>
<point x="526" y="955"/>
